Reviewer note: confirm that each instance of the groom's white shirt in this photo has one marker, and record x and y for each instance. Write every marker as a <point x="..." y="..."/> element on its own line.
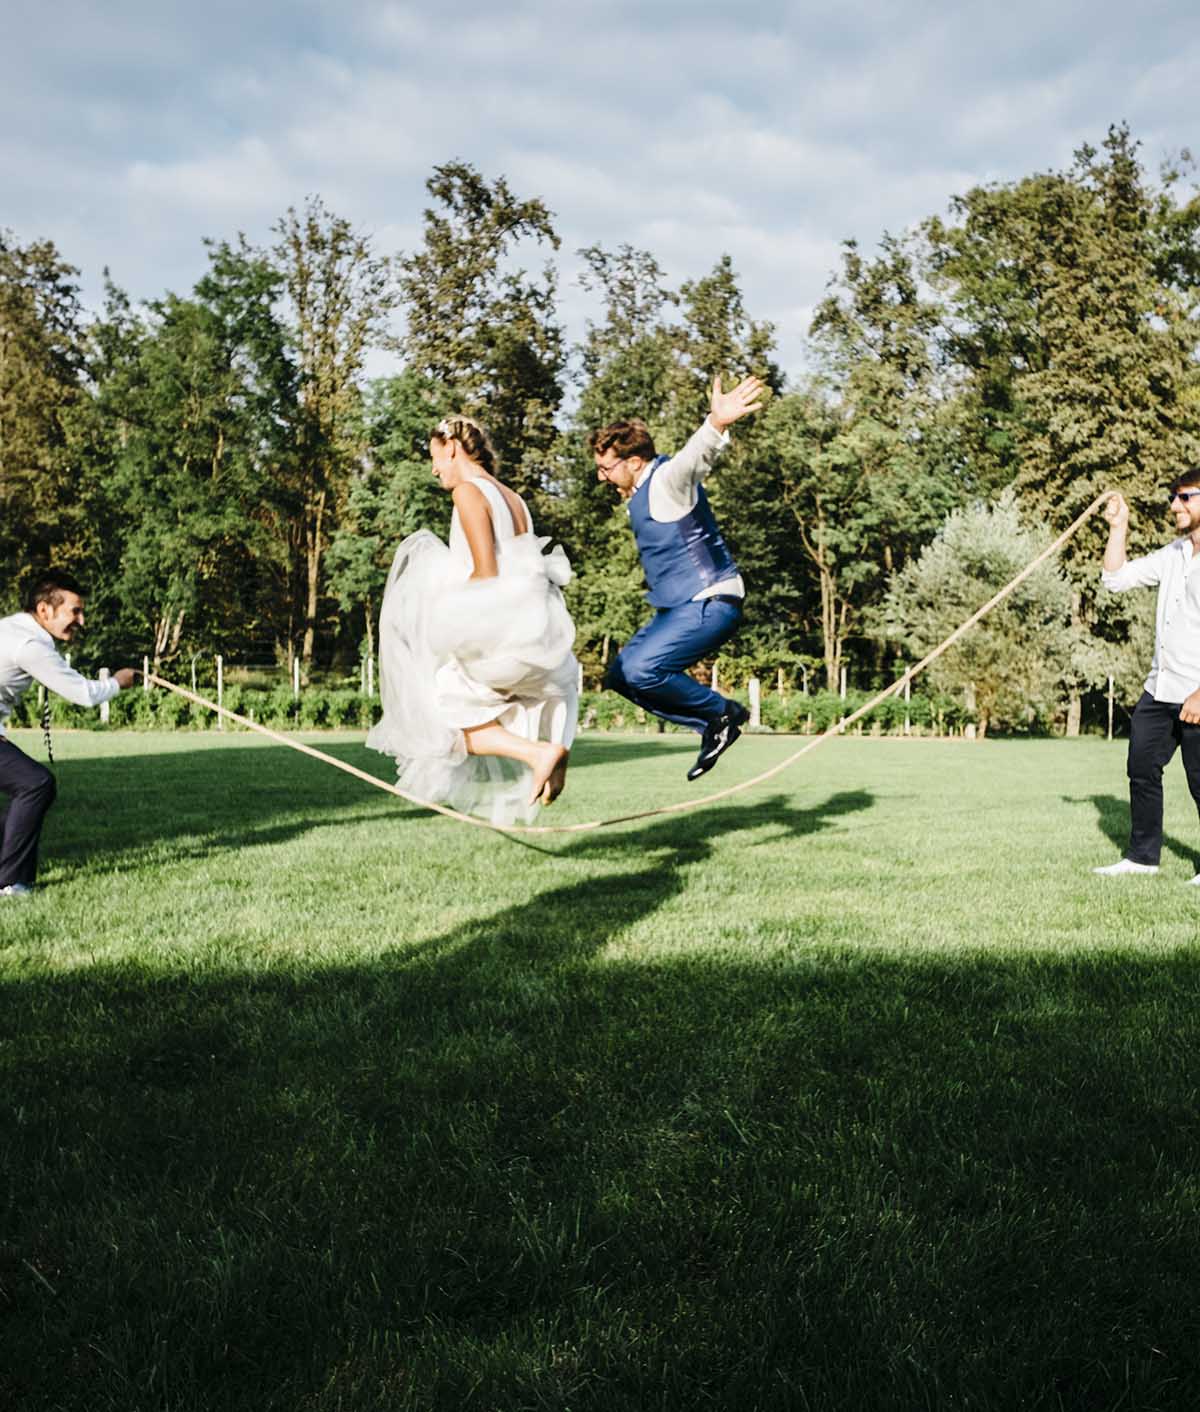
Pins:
<point x="28" y="654"/>
<point x="673" y="491"/>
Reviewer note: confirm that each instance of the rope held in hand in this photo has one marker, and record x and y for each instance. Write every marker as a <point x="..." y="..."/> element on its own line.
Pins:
<point x="683" y="805"/>
<point x="45" y="721"/>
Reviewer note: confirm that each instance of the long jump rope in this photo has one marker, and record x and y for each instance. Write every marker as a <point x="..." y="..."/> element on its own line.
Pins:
<point x="682" y="806"/>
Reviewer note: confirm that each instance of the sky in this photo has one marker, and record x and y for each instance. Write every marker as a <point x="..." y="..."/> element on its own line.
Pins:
<point x="130" y="130"/>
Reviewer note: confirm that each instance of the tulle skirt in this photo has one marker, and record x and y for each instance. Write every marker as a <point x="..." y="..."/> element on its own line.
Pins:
<point x="455" y="653"/>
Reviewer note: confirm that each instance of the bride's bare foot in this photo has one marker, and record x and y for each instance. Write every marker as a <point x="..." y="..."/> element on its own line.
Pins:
<point x="551" y="764"/>
<point x="557" y="781"/>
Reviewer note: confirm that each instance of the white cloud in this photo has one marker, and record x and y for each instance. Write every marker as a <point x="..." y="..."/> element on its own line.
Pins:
<point x="683" y="126"/>
<point x="248" y="176"/>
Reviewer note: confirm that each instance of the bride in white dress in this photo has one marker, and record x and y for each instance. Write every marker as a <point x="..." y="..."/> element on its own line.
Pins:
<point x="477" y="676"/>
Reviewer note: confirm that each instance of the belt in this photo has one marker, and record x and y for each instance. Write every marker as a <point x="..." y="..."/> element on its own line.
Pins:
<point x="733" y="598"/>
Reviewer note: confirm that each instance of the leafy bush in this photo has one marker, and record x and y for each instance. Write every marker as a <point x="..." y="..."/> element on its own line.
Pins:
<point x="342" y="707"/>
<point x="173" y="712"/>
<point x="280" y="709"/>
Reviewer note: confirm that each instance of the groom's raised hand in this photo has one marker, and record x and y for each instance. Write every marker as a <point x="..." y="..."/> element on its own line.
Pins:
<point x="725" y="408"/>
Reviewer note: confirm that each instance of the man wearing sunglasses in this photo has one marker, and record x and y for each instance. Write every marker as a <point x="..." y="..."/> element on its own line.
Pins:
<point x="1167" y="716"/>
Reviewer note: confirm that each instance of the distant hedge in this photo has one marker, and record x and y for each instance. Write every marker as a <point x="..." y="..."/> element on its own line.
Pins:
<point x="797" y="713"/>
<point x="320" y="708"/>
<point x="316" y="708"/>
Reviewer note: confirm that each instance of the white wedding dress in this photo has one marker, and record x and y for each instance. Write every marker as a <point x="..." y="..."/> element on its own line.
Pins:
<point x="456" y="653"/>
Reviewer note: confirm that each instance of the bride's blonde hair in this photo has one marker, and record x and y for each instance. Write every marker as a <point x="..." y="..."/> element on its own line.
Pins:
<point x="471" y="437"/>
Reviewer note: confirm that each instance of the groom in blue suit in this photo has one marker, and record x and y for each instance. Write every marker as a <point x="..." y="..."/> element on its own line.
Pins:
<point x="693" y="580"/>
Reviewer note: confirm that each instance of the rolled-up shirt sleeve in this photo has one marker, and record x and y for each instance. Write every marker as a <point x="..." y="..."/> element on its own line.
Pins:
<point x="1136" y="573"/>
<point x="44" y="665"/>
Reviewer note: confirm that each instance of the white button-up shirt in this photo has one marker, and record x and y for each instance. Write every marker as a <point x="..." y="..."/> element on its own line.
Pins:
<point x="673" y="491"/>
<point x="28" y="654"/>
<point x="1175" y="667"/>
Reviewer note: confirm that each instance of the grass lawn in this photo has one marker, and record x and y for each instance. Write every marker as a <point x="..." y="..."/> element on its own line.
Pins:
<point x="856" y="1092"/>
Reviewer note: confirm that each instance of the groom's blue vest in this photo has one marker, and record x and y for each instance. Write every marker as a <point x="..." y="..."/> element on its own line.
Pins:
<point x="680" y="557"/>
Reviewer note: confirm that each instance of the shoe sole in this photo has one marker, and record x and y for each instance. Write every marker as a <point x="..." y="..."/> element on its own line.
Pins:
<point x="702" y="768"/>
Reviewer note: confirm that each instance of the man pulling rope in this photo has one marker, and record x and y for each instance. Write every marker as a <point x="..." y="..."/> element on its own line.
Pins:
<point x="53" y="613"/>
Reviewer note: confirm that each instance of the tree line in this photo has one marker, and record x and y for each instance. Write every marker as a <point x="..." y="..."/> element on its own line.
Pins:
<point x="227" y="477"/>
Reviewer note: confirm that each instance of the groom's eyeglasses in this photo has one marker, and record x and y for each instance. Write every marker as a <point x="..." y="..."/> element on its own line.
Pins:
<point x="1184" y="495"/>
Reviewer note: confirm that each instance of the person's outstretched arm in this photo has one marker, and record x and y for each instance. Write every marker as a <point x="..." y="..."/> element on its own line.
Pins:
<point x="1118" y="572"/>
<point x="673" y="489"/>
<point x="44" y="665"/>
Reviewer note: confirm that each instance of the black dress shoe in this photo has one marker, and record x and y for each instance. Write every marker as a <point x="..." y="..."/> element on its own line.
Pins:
<point x="718" y="736"/>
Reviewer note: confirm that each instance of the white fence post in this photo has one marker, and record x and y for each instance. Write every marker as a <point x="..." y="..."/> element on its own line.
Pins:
<point x="104" y="704"/>
<point x="295" y="676"/>
<point x="220" y="690"/>
<point x="1110" y="707"/>
<point x="843" y="683"/>
<point x="779" y="683"/>
<point x="755" y="690"/>
<point x="145" y="673"/>
<point x="907" y="700"/>
<point x="804" y="680"/>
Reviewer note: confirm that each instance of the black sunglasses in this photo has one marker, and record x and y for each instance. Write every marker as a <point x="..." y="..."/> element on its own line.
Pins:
<point x="1184" y="495"/>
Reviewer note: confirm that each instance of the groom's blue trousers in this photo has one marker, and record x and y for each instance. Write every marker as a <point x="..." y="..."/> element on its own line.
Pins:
<point x="652" y="669"/>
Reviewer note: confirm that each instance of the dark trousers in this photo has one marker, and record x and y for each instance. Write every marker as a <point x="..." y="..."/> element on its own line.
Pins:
<point x="30" y="788"/>
<point x="1154" y="734"/>
<point x="652" y="669"/>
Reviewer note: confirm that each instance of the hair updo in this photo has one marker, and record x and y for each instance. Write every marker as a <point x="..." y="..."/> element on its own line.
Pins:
<point x="471" y="437"/>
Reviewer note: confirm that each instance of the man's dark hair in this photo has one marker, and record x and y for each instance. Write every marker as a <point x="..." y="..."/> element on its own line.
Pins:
<point x="1190" y="479"/>
<point x="630" y="438"/>
<point x="48" y="586"/>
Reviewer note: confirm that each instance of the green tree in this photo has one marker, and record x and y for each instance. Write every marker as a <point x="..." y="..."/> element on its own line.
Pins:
<point x="864" y="463"/>
<point x="482" y="332"/>
<point x="195" y="394"/>
<point x="391" y="495"/>
<point x="42" y="351"/>
<point x="339" y="298"/>
<point x="625" y="363"/>
<point x="715" y="337"/>
<point x="1010" y="667"/>
<point x="1073" y="296"/>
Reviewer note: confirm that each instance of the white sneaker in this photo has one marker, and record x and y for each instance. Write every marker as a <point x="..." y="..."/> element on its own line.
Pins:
<point x="16" y="890"/>
<point x="1125" y="865"/>
<point x="1193" y="882"/>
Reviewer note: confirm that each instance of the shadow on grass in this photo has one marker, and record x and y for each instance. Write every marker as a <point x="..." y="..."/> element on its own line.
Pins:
<point x="1112" y="815"/>
<point x="503" y="1169"/>
<point x="191" y="803"/>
